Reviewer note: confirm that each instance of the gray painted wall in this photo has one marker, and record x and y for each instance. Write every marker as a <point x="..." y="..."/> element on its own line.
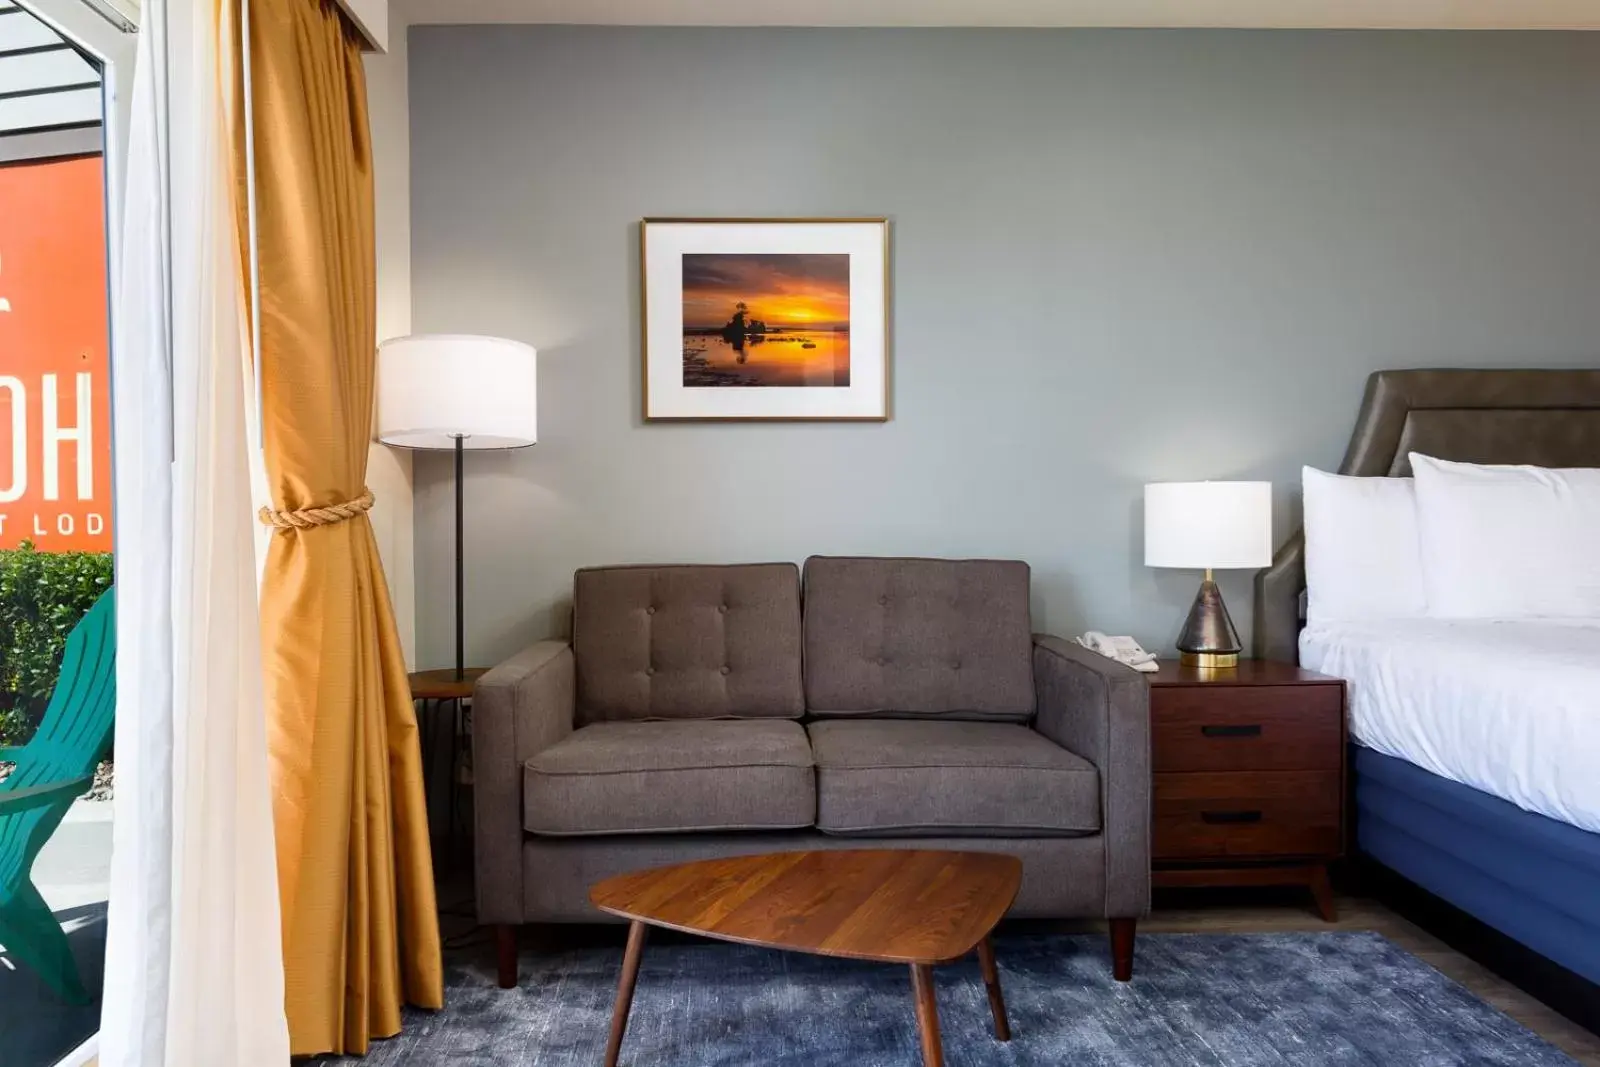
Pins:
<point x="1118" y="257"/>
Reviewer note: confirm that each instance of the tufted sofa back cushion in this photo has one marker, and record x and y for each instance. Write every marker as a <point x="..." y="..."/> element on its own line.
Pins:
<point x="918" y="637"/>
<point x="692" y="642"/>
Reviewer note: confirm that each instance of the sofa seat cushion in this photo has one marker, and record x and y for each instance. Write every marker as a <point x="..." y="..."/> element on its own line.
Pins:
<point x="907" y="777"/>
<point x="672" y="777"/>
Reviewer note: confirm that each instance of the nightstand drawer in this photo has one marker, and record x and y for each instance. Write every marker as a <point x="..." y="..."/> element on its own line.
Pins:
<point x="1240" y="728"/>
<point x="1266" y="813"/>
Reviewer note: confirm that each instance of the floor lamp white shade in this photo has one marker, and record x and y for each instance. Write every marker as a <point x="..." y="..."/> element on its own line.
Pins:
<point x="436" y="389"/>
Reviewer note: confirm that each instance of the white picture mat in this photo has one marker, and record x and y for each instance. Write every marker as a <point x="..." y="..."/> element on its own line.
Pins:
<point x="666" y="243"/>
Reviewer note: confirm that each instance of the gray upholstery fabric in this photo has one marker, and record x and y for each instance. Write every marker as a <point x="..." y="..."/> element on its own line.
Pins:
<point x="695" y="642"/>
<point x="908" y="777"/>
<point x="1100" y="709"/>
<point x="1061" y="876"/>
<point x="616" y="782"/>
<point x="1549" y="418"/>
<point x="519" y="709"/>
<point x="672" y="777"/>
<point x="920" y="637"/>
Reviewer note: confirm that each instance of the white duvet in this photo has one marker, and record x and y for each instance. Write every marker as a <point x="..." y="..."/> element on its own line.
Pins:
<point x="1509" y="708"/>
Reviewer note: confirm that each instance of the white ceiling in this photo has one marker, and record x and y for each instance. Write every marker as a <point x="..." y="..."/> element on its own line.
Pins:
<point x="1284" y="14"/>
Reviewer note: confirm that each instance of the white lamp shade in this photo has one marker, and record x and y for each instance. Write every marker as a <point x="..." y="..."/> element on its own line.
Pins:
<point x="1220" y="525"/>
<point x="435" y="388"/>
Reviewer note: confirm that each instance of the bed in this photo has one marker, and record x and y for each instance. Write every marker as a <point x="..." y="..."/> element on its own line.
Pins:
<point x="1476" y="799"/>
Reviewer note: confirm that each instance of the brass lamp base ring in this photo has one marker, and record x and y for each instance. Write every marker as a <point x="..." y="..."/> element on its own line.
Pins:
<point x="1209" y="660"/>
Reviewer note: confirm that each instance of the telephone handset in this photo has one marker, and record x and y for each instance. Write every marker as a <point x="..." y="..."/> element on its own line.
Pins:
<point x="1124" y="650"/>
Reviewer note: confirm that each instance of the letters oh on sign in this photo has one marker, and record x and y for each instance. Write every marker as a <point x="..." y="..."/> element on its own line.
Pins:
<point x="55" y="398"/>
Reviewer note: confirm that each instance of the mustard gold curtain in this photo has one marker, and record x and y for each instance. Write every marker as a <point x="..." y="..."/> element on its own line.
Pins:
<point x="360" y="928"/>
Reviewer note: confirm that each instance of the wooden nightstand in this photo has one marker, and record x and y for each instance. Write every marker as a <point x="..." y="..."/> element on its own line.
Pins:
<point x="1249" y="777"/>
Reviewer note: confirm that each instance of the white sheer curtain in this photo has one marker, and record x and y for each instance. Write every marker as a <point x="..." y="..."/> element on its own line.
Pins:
<point x="194" y="969"/>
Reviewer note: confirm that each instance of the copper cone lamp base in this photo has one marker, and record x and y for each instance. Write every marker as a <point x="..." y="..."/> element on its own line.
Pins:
<point x="1208" y="639"/>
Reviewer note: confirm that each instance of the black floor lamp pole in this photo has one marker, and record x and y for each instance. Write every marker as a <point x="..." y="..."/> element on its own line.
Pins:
<point x="461" y="631"/>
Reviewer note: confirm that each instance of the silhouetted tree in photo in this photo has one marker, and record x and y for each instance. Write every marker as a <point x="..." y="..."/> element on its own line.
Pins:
<point x="734" y="331"/>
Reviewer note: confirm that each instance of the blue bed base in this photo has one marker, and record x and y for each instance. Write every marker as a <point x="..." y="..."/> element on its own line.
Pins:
<point x="1535" y="879"/>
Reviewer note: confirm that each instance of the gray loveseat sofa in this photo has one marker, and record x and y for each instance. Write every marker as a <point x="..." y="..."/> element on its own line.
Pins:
<point x="703" y="711"/>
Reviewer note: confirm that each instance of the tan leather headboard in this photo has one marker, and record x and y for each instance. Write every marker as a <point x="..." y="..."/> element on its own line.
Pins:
<point x="1550" y="418"/>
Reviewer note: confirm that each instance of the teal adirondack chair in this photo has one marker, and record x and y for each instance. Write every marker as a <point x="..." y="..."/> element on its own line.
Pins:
<point x="51" y="771"/>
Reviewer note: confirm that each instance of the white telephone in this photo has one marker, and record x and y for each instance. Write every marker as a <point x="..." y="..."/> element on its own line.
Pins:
<point x="1124" y="650"/>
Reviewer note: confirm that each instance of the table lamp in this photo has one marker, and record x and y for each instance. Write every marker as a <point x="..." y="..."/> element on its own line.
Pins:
<point x="1208" y="526"/>
<point x="457" y="392"/>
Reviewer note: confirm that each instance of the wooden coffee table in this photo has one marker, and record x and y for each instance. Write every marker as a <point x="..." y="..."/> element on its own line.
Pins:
<point x="915" y="907"/>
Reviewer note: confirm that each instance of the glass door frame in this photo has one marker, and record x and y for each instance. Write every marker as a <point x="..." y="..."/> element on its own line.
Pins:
<point x="112" y="41"/>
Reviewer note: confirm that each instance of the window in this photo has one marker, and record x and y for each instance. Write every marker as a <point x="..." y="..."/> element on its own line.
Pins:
<point x="61" y="65"/>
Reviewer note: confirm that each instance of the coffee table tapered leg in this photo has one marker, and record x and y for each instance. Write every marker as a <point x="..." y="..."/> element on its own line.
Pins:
<point x="927" y="1015"/>
<point x="630" y="975"/>
<point x="991" y="980"/>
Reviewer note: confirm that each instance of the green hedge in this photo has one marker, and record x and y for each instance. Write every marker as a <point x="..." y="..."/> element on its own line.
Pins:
<point x="42" y="597"/>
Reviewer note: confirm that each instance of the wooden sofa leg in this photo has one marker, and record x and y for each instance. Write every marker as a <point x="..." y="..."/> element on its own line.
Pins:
<point x="1122" y="931"/>
<point x="505" y="940"/>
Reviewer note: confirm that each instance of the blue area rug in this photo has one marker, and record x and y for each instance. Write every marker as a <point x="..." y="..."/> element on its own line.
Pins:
<point x="1341" y="998"/>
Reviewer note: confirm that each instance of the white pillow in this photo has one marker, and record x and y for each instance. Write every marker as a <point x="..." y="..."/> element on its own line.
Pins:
<point x="1362" y="548"/>
<point x="1502" y="542"/>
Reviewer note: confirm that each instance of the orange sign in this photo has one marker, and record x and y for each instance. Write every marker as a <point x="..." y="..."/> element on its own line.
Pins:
<point x="55" y="384"/>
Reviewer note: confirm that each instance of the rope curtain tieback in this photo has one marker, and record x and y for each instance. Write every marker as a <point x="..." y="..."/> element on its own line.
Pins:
<point x="306" y="518"/>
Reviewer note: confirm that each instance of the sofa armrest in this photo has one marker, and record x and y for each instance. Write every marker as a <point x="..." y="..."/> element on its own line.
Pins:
<point x="1100" y="709"/>
<point x="519" y="709"/>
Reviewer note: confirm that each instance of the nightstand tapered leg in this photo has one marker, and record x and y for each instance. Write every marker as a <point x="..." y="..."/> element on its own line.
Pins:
<point x="1322" y="893"/>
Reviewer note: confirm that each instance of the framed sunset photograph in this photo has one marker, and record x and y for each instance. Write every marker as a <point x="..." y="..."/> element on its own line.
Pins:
<point x="765" y="318"/>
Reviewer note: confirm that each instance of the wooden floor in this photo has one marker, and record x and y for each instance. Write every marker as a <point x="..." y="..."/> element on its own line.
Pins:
<point x="1199" y="914"/>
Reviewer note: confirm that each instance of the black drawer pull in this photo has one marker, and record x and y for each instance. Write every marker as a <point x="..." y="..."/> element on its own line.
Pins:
<point x="1230" y="816"/>
<point x="1252" y="730"/>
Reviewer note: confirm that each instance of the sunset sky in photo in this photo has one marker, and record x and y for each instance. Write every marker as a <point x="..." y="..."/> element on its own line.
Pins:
<point x="789" y="290"/>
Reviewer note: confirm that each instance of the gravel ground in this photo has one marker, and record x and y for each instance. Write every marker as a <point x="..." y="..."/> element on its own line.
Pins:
<point x="103" y="780"/>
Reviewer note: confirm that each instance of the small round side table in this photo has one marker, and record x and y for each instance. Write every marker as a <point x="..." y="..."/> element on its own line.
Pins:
<point x="433" y="690"/>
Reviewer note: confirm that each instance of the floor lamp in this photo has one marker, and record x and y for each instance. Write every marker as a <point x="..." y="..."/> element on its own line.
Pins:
<point x="457" y="393"/>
